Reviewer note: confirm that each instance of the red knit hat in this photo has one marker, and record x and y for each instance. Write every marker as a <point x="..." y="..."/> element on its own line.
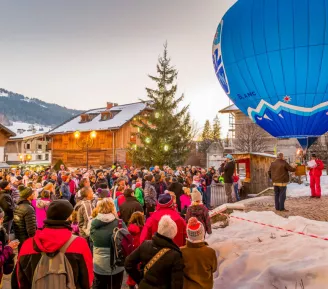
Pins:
<point x="195" y="230"/>
<point x="165" y="201"/>
<point x="138" y="185"/>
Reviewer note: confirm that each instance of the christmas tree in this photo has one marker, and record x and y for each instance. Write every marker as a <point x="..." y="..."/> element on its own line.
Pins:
<point x="165" y="134"/>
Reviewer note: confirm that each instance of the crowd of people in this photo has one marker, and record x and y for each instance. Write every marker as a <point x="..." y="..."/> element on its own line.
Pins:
<point x="148" y="222"/>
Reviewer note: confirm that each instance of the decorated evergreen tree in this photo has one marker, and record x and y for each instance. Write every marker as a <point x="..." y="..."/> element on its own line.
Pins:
<point x="165" y="134"/>
<point x="216" y="133"/>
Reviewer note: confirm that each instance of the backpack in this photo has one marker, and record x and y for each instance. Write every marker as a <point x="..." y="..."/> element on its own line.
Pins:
<point x="122" y="244"/>
<point x="88" y="227"/>
<point x="54" y="272"/>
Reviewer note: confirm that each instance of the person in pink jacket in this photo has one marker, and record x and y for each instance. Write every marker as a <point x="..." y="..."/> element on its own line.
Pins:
<point x="41" y="206"/>
<point x="185" y="200"/>
<point x="165" y="206"/>
<point x="315" y="174"/>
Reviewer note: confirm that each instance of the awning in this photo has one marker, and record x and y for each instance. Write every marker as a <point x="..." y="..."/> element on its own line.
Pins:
<point x="4" y="166"/>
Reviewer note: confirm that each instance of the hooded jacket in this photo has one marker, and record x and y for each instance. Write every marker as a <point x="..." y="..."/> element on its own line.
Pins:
<point x="101" y="233"/>
<point x="200" y="212"/>
<point x="167" y="273"/>
<point x="50" y="241"/>
<point x="24" y="220"/>
<point x="150" y="194"/>
<point x="151" y="225"/>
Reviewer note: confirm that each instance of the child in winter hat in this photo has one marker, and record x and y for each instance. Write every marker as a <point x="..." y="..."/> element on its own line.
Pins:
<point x="195" y="231"/>
<point x="167" y="227"/>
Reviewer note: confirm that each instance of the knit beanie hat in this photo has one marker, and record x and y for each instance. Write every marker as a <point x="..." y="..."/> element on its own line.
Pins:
<point x="3" y="184"/>
<point x="167" y="227"/>
<point x="195" y="231"/>
<point x="196" y="196"/>
<point x="138" y="185"/>
<point x="58" y="212"/>
<point x="165" y="200"/>
<point x="25" y="192"/>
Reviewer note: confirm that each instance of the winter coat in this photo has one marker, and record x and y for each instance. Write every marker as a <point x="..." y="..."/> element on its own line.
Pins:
<point x="24" y="221"/>
<point x="200" y="212"/>
<point x="135" y="231"/>
<point x="278" y="171"/>
<point x="317" y="171"/>
<point x="15" y="194"/>
<point x="160" y="188"/>
<point x="200" y="264"/>
<point x="150" y="194"/>
<point x="185" y="201"/>
<point x="101" y="234"/>
<point x="167" y="273"/>
<point x="82" y="216"/>
<point x="130" y="206"/>
<point x="139" y="194"/>
<point x="72" y="187"/>
<point x="151" y="225"/>
<point x="64" y="191"/>
<point x="50" y="241"/>
<point x="176" y="188"/>
<point x="228" y="170"/>
<point x="6" y="253"/>
<point x="7" y="205"/>
<point x="41" y="207"/>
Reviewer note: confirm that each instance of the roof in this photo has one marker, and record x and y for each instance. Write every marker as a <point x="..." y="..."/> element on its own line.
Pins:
<point x="7" y="130"/>
<point x="229" y="109"/>
<point x="4" y="165"/>
<point x="126" y="113"/>
<point x="255" y="154"/>
<point x="26" y="130"/>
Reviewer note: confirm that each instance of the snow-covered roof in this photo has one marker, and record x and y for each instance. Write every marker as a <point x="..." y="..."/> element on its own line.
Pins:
<point x="26" y="130"/>
<point x="257" y="154"/>
<point x="230" y="108"/>
<point x="125" y="113"/>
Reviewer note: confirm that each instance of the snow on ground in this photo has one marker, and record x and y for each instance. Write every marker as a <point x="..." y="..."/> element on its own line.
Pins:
<point x="274" y="261"/>
<point x="296" y="190"/>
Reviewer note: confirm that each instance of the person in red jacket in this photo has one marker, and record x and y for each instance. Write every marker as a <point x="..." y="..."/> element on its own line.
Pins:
<point x="55" y="234"/>
<point x="165" y="206"/>
<point x="315" y="174"/>
<point x="136" y="223"/>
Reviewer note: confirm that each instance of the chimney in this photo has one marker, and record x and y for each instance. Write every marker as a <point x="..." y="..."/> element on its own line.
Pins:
<point x="109" y="105"/>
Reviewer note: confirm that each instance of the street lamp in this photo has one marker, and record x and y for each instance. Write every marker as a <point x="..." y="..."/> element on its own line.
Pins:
<point x="85" y="143"/>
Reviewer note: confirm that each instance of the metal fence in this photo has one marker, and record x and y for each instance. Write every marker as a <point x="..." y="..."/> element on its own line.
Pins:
<point x="216" y="195"/>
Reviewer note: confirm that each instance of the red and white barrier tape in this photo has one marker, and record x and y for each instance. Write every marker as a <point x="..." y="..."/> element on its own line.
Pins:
<point x="271" y="226"/>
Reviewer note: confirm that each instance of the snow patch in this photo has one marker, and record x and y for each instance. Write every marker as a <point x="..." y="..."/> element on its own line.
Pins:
<point x="4" y="94"/>
<point x="295" y="190"/>
<point x="23" y="129"/>
<point x="251" y="256"/>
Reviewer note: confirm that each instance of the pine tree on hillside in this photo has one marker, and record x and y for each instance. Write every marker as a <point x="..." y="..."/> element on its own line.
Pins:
<point x="165" y="134"/>
<point x="216" y="133"/>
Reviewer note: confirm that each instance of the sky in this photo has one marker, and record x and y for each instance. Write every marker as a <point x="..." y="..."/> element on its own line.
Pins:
<point x="81" y="53"/>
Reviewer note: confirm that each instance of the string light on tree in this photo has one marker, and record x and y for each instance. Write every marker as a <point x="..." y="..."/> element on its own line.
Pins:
<point x="135" y="147"/>
<point x="166" y="147"/>
<point x="156" y="114"/>
<point x="147" y="140"/>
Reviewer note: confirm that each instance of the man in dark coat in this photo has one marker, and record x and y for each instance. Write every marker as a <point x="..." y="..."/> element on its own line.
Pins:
<point x="165" y="272"/>
<point x="129" y="206"/>
<point x="228" y="172"/>
<point x="24" y="216"/>
<point x="7" y="205"/>
<point x="176" y="188"/>
<point x="279" y="174"/>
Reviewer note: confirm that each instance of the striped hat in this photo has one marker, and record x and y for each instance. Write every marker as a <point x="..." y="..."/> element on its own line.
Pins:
<point x="195" y="231"/>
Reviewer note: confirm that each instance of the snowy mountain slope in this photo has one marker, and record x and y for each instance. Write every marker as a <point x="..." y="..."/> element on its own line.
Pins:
<point x="18" y="108"/>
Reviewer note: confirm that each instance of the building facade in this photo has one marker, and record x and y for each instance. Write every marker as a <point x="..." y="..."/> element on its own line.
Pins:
<point x="112" y="132"/>
<point x="5" y="134"/>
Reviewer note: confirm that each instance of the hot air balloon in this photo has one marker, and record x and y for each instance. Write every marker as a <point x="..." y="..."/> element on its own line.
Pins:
<point x="271" y="59"/>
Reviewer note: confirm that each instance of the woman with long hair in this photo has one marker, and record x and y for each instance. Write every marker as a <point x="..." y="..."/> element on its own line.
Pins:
<point x="104" y="222"/>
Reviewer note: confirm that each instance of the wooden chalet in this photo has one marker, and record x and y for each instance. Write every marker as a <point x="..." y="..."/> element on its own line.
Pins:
<point x="114" y="132"/>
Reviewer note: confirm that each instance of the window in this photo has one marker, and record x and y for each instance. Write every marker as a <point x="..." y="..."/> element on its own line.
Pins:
<point x="28" y="146"/>
<point x="39" y="157"/>
<point x="39" y="146"/>
<point x="46" y="157"/>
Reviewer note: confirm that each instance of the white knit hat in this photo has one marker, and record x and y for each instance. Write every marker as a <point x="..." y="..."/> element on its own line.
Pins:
<point x="167" y="227"/>
<point x="195" y="231"/>
<point x="196" y="196"/>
